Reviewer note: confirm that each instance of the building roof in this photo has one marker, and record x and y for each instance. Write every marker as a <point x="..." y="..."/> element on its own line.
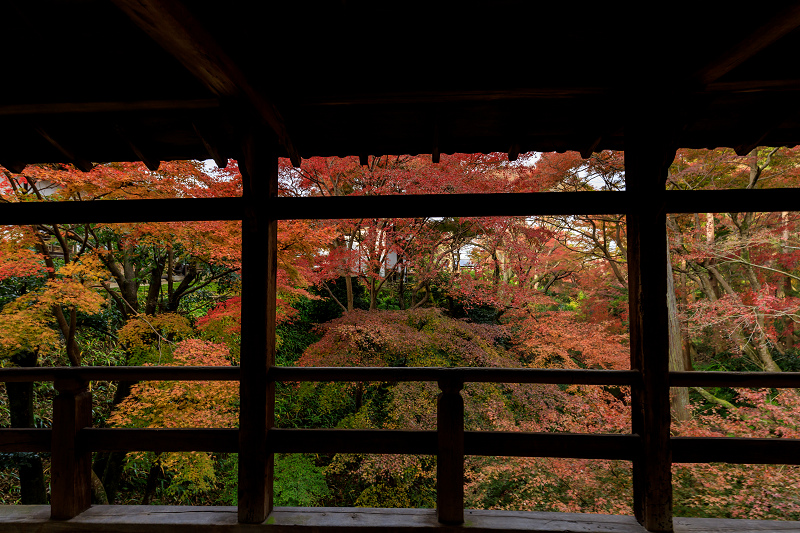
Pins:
<point x="94" y="81"/>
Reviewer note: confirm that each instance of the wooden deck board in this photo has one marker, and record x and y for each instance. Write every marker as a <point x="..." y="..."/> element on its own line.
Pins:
<point x="218" y="519"/>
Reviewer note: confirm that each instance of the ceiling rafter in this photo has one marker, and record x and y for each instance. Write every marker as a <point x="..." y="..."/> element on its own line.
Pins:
<point x="178" y="32"/>
<point x="65" y="108"/>
<point x="66" y="151"/>
<point x="776" y="27"/>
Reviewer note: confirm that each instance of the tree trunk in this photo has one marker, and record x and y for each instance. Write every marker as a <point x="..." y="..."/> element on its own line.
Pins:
<point x="401" y="288"/>
<point x="679" y="396"/>
<point x="20" y="405"/>
<point x="348" y="284"/>
<point x="154" y="286"/>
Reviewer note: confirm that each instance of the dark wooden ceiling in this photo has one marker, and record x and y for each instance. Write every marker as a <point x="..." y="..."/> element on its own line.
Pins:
<point x="95" y="80"/>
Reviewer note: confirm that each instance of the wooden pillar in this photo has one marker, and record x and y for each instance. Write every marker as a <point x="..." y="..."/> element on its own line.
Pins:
<point x="71" y="465"/>
<point x="647" y="157"/>
<point x="450" y="454"/>
<point x="259" y="275"/>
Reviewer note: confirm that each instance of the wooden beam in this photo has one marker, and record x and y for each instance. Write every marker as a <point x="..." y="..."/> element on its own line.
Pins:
<point x="212" y="147"/>
<point x="159" y="440"/>
<point x="82" y="108"/>
<point x="120" y="373"/>
<point x="437" y="130"/>
<point x="123" y="211"/>
<point x="780" y="24"/>
<point x="751" y="86"/>
<point x="587" y="152"/>
<point x="448" y="97"/>
<point x="179" y="33"/>
<point x="735" y="450"/>
<point x="79" y="162"/>
<point x="417" y="205"/>
<point x="565" y="445"/>
<point x="16" y="167"/>
<point x="313" y="208"/>
<point x="136" y="147"/>
<point x="259" y="278"/>
<point x="777" y="380"/>
<point x="352" y="441"/>
<point x="513" y="152"/>
<point x="25" y="440"/>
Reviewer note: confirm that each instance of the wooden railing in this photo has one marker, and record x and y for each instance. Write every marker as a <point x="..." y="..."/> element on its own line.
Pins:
<point x="650" y="447"/>
<point x="72" y="439"/>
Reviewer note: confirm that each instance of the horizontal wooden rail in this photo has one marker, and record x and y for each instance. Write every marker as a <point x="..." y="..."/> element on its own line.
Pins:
<point x="352" y="441"/>
<point x="25" y="440"/>
<point x="735" y="450"/>
<point x="572" y="445"/>
<point x="486" y="443"/>
<point x="124" y="211"/>
<point x="463" y="374"/>
<point x="278" y="374"/>
<point x="451" y="205"/>
<point x="159" y="440"/>
<point x="732" y="201"/>
<point x="125" y="373"/>
<point x="776" y="380"/>
<point x="398" y="206"/>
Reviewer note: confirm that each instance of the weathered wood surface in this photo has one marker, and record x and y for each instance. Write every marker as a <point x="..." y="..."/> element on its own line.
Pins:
<point x="25" y="440"/>
<point x="735" y="379"/>
<point x="484" y="375"/>
<point x="117" y="373"/>
<point x="218" y="519"/>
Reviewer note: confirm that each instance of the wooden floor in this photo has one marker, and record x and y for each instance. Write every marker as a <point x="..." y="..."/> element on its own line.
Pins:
<point x="157" y="519"/>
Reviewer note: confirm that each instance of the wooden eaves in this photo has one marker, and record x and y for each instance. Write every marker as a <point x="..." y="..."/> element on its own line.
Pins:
<point x="92" y="81"/>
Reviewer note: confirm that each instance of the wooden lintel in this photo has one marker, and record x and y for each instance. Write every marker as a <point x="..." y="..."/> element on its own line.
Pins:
<point x="80" y="163"/>
<point x="780" y="24"/>
<point x="66" y="108"/>
<point x="752" y="86"/>
<point x="121" y="211"/>
<point x="446" y="97"/>
<point x="179" y="33"/>
<point x="211" y="147"/>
